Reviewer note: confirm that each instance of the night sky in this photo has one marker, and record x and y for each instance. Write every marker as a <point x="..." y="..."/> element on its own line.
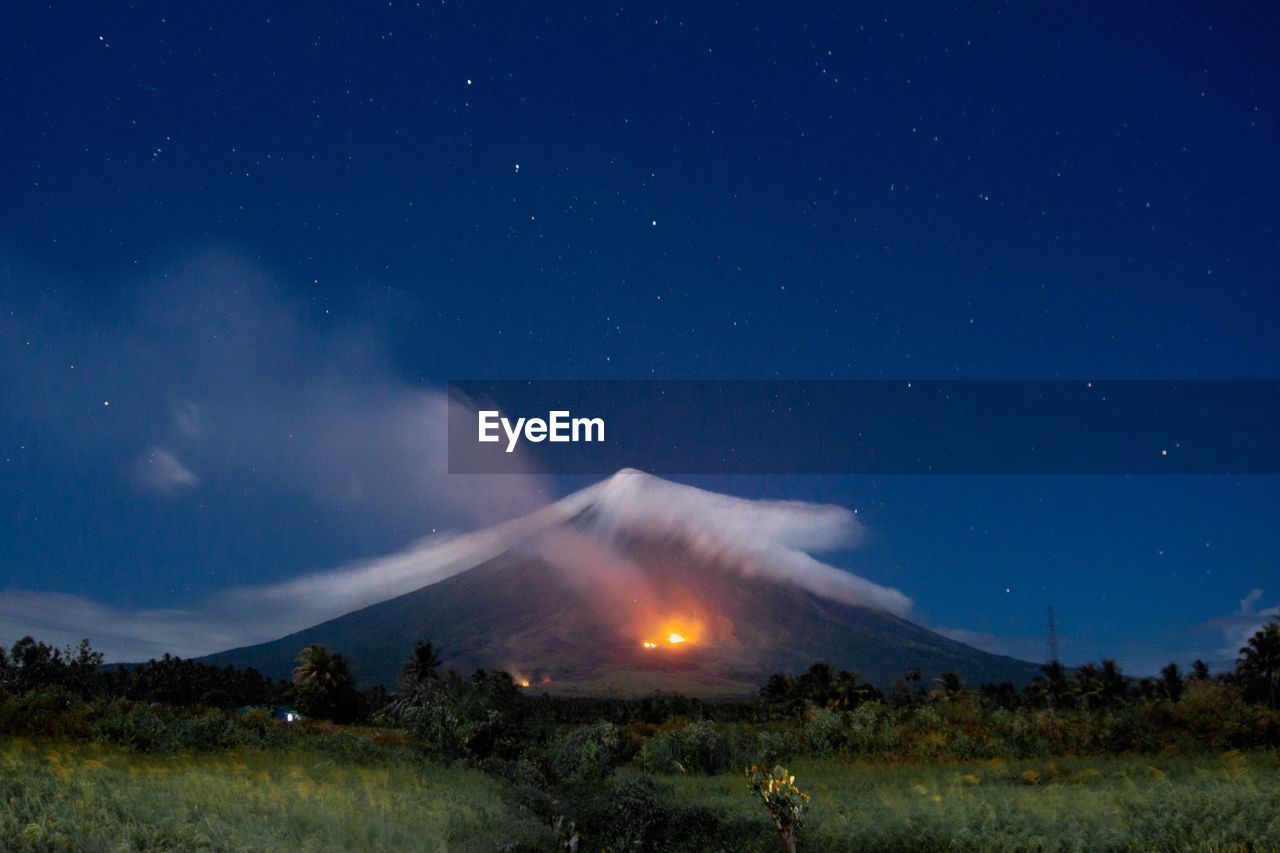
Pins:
<point x="242" y="250"/>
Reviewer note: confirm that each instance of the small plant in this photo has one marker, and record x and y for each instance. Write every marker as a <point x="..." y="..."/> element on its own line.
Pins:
<point x="782" y="799"/>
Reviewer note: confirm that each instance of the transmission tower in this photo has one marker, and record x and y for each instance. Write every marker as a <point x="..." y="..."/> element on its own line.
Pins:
<point x="1053" y="637"/>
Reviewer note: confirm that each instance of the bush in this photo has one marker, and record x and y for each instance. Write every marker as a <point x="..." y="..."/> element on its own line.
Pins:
<point x="774" y="747"/>
<point x="872" y="730"/>
<point x="160" y="729"/>
<point x="637" y="813"/>
<point x="585" y="753"/>
<point x="47" y="712"/>
<point x="698" y="748"/>
<point x="823" y="731"/>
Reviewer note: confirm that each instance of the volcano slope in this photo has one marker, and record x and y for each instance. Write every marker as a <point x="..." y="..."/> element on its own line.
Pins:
<point x="638" y="584"/>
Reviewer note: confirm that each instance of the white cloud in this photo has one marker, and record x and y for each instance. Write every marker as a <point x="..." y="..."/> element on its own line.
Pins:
<point x="160" y="470"/>
<point x="124" y="635"/>
<point x="190" y="420"/>
<point x="216" y="378"/>
<point x="1236" y="628"/>
<point x="754" y="537"/>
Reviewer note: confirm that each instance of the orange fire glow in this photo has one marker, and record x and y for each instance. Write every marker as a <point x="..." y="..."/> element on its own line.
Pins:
<point x="524" y="682"/>
<point x="673" y="632"/>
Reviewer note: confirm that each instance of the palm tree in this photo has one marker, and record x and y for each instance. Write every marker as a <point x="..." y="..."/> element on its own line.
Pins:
<point x="422" y="666"/>
<point x="1057" y="687"/>
<point x="1199" y="670"/>
<point x="323" y="685"/>
<point x="817" y="682"/>
<point x="848" y="692"/>
<point x="318" y="667"/>
<point x="1090" y="685"/>
<point x="950" y="686"/>
<point x="1259" y="661"/>
<point x="1114" y="685"/>
<point x="780" y="695"/>
<point x="1171" y="683"/>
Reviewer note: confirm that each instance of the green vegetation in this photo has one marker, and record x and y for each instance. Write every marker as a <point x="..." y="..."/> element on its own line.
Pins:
<point x="161" y="756"/>
<point x="786" y="804"/>
<point x="1211" y="802"/>
<point x="76" y="796"/>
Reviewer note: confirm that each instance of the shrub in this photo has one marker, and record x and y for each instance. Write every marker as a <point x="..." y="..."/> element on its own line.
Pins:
<point x="698" y="747"/>
<point x="872" y="730"/>
<point x="47" y="712"/>
<point x="774" y="746"/>
<point x="585" y="753"/>
<point x="823" y="731"/>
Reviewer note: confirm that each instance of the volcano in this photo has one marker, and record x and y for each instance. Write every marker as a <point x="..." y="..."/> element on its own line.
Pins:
<point x="637" y="584"/>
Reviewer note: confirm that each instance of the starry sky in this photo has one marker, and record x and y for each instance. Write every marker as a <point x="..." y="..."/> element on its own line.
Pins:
<point x="243" y="247"/>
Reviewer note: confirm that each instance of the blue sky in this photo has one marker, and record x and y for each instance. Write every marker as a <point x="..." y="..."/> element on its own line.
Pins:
<point x="266" y="238"/>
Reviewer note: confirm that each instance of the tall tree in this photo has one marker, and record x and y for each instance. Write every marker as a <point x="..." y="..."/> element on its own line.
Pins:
<point x="848" y="691"/>
<point x="423" y="665"/>
<point x="1259" y="663"/>
<point x="1057" y="687"/>
<point x="1089" y="686"/>
<point x="949" y="687"/>
<point x="323" y="685"/>
<point x="1171" y="683"/>
<point x="1114" y="685"/>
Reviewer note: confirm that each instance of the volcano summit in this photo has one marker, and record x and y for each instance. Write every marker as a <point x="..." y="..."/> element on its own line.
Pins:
<point x="636" y="584"/>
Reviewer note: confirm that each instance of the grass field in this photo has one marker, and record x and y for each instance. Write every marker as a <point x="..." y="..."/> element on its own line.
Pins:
<point x="59" y="796"/>
<point x="1220" y="802"/>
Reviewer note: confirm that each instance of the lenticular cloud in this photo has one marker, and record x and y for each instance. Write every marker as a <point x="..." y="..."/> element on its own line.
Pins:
<point x="581" y="535"/>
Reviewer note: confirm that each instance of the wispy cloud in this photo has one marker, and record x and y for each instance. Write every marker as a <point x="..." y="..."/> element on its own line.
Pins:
<point x="1237" y="627"/>
<point x="774" y="539"/>
<point x="161" y="471"/>
<point x="722" y="533"/>
<point x="214" y="377"/>
<point x="190" y="420"/>
<point x="122" y="634"/>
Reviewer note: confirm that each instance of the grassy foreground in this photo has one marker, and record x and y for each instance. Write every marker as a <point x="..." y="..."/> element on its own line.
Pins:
<point x="1216" y="802"/>
<point x="64" y="796"/>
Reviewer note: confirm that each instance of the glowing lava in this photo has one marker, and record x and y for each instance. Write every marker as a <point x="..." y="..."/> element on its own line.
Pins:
<point x="674" y="639"/>
<point x="678" y="632"/>
<point x="524" y="682"/>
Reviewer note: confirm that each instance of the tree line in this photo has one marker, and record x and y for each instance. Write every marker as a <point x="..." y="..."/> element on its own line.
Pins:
<point x="453" y="709"/>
